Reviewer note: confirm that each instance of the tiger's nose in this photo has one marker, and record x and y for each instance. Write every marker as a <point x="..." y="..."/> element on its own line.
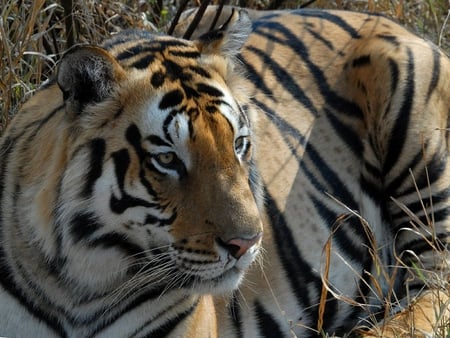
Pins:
<point x="237" y="247"/>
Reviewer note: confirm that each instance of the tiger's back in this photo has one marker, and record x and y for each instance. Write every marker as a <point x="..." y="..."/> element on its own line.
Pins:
<point x="353" y="152"/>
<point x="354" y="110"/>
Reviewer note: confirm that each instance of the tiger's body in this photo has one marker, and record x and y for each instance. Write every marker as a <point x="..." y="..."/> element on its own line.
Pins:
<point x="135" y="188"/>
<point x="353" y="138"/>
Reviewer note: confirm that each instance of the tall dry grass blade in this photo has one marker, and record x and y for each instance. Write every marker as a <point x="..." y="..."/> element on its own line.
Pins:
<point x="324" y="291"/>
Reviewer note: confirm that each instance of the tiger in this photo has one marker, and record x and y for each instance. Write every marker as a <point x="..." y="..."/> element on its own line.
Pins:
<point x="353" y="152"/>
<point x="117" y="179"/>
<point x="283" y="175"/>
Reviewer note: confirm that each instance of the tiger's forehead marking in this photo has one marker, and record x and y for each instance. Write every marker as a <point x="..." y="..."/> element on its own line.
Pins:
<point x="141" y="53"/>
<point x="173" y="123"/>
<point x="175" y="116"/>
<point x="168" y="59"/>
<point x="176" y="66"/>
<point x="185" y="89"/>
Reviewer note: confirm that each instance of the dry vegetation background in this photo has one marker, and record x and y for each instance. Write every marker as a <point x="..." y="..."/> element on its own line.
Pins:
<point x="33" y="33"/>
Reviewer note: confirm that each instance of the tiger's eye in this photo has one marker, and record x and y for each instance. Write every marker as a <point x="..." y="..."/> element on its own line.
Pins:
<point x="165" y="158"/>
<point x="240" y="144"/>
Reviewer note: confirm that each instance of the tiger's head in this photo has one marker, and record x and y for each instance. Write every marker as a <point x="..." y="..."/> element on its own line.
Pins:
<point x="159" y="183"/>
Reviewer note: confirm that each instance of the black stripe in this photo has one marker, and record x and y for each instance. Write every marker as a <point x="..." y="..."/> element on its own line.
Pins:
<point x="142" y="297"/>
<point x="373" y="188"/>
<point x="299" y="273"/>
<point x="395" y="75"/>
<point x="346" y="133"/>
<point x="327" y="16"/>
<point x="392" y="39"/>
<point x="189" y="90"/>
<point x="339" y="229"/>
<point x="416" y="207"/>
<point x="420" y="245"/>
<point x="210" y="110"/>
<point x="134" y="137"/>
<point x="320" y="14"/>
<point x="144" y="47"/>
<point x="82" y="226"/>
<point x="392" y="188"/>
<point x="176" y="72"/>
<point x="158" y="141"/>
<point x="435" y="73"/>
<point x="334" y="185"/>
<point x="165" y="329"/>
<point x="329" y="315"/>
<point x="286" y="129"/>
<point x="6" y="280"/>
<point x="119" y="241"/>
<point x="97" y="151"/>
<point x="39" y="123"/>
<point x="361" y="297"/>
<point x="321" y="38"/>
<point x="371" y="169"/>
<point x="267" y="326"/>
<point x="209" y="90"/>
<point x="291" y="40"/>
<point x="399" y="132"/>
<point x="436" y="168"/>
<point x="12" y="287"/>
<point x="219" y="102"/>
<point x="190" y="54"/>
<point x="171" y="99"/>
<point x="200" y="71"/>
<point x="136" y="35"/>
<point x="157" y="79"/>
<point x="143" y="62"/>
<point x="234" y="312"/>
<point x="282" y="76"/>
<point x="152" y="220"/>
<point x="119" y="204"/>
<point x="166" y="124"/>
<point x="363" y="60"/>
<point x="256" y="79"/>
<point x="438" y="216"/>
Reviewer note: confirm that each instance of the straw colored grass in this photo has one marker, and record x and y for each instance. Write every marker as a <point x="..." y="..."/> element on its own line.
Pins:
<point x="33" y="34"/>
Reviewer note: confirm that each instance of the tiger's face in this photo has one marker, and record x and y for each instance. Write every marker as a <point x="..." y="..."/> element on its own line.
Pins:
<point x="170" y="194"/>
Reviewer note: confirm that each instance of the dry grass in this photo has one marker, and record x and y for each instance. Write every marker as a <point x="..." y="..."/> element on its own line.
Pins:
<point x="426" y="314"/>
<point x="33" y="36"/>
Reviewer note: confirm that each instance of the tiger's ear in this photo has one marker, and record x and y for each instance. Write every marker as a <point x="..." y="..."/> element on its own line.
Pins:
<point x="229" y="38"/>
<point x="87" y="74"/>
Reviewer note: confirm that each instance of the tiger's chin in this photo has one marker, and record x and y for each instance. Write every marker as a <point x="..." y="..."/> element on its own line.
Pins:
<point x="223" y="284"/>
<point x="221" y="281"/>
